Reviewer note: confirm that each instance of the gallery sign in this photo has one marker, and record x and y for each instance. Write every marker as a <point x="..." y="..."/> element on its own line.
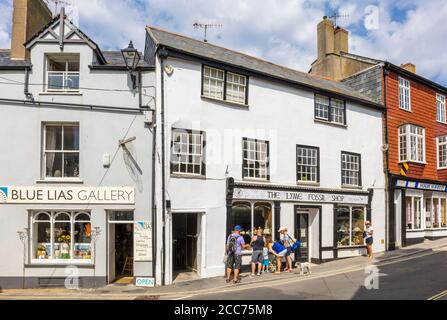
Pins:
<point x="142" y="238"/>
<point x="68" y="195"/>
<point x="298" y="196"/>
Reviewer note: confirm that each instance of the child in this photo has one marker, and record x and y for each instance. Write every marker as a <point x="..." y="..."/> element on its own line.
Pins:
<point x="265" y="258"/>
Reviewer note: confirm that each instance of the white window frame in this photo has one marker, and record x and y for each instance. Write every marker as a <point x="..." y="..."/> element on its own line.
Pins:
<point x="350" y="224"/>
<point x="440" y="108"/>
<point x="422" y="206"/>
<point x="441" y="144"/>
<point x="62" y="151"/>
<point x="307" y="153"/>
<point x="262" y="162"/>
<point x="344" y="160"/>
<point x="407" y="135"/>
<point x="190" y="134"/>
<point x="209" y="78"/>
<point x="52" y="214"/>
<point x="404" y="94"/>
<point x="242" y="85"/>
<point x="330" y="109"/>
<point x="65" y="75"/>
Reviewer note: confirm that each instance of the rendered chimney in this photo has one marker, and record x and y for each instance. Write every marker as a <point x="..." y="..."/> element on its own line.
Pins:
<point x="325" y="38"/>
<point x="28" y="18"/>
<point x="409" y="67"/>
<point x="341" y="40"/>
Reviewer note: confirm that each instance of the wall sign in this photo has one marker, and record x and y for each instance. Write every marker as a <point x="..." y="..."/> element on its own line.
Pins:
<point x="144" y="282"/>
<point x="142" y="238"/>
<point x="69" y="195"/>
<point x="298" y="196"/>
<point x="421" y="185"/>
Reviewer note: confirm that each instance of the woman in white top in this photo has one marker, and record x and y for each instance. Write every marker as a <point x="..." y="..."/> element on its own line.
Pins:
<point x="369" y="239"/>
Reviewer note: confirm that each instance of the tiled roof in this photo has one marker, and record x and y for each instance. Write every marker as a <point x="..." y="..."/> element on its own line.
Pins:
<point x="115" y="59"/>
<point x="6" y="62"/>
<point x="209" y="51"/>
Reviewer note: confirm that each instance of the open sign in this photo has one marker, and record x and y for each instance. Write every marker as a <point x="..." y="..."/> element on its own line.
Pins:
<point x="145" y="282"/>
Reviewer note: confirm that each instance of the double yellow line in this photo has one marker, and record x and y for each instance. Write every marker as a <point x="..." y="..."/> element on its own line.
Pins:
<point x="438" y="296"/>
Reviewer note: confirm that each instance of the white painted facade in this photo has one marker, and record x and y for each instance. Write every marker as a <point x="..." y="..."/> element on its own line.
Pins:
<point x="283" y="114"/>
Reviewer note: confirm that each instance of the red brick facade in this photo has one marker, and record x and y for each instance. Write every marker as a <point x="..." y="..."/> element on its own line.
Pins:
<point x="423" y="113"/>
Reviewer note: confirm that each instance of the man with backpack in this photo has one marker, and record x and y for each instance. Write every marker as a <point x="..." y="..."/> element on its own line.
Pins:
<point x="233" y="249"/>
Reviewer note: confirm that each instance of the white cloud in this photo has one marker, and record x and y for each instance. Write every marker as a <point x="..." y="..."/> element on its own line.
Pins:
<point x="5" y="23"/>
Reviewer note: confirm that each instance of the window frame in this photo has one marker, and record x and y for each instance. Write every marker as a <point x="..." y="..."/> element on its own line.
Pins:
<point x="330" y="109"/>
<point x="413" y="216"/>
<point x="438" y="157"/>
<point x="203" y="153"/>
<point x="44" y="151"/>
<point x="245" y="139"/>
<point x="407" y="135"/>
<point x="65" y="75"/>
<point x="53" y="213"/>
<point x="225" y="82"/>
<point x="317" y="166"/>
<point x="359" y="170"/>
<point x="350" y="206"/>
<point x="441" y="108"/>
<point x="402" y="85"/>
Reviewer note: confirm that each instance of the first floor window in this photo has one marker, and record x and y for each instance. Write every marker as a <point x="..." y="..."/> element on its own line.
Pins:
<point x="187" y="154"/>
<point x="61" y="150"/>
<point x="440" y="108"/>
<point x="251" y="217"/>
<point x="307" y="164"/>
<point x="236" y="88"/>
<point x="61" y="235"/>
<point x="411" y="143"/>
<point x="442" y="152"/>
<point x="350" y="169"/>
<point x="255" y="159"/>
<point x="413" y="209"/>
<point x="224" y="85"/>
<point x="349" y="225"/>
<point x="404" y="94"/>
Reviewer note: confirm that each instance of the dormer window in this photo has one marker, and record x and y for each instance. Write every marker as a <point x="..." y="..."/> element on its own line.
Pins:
<point x="63" y="72"/>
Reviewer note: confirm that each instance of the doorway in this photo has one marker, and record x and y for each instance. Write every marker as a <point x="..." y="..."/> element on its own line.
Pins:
<point x="302" y="235"/>
<point x="185" y="235"/>
<point x="120" y="247"/>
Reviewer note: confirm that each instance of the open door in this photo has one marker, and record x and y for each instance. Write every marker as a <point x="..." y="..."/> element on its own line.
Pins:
<point x="302" y="235"/>
<point x="111" y="253"/>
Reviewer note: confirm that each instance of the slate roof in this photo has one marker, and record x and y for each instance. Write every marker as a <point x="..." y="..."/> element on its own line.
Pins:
<point x="209" y="51"/>
<point x="115" y="59"/>
<point x="7" y="63"/>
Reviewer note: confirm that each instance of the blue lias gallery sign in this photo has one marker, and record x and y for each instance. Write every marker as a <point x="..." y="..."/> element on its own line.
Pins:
<point x="68" y="195"/>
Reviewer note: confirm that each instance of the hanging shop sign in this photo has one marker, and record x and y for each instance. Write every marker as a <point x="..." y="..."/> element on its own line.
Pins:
<point x="298" y="196"/>
<point x="68" y="195"/>
<point x="421" y="185"/>
<point x="142" y="238"/>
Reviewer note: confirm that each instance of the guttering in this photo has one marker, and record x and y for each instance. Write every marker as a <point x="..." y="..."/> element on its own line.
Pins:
<point x="182" y="55"/>
<point x="119" y="68"/>
<point x="70" y="105"/>
<point x="16" y="68"/>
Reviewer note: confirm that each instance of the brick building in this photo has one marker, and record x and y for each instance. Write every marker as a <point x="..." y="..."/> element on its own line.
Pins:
<point x="415" y="135"/>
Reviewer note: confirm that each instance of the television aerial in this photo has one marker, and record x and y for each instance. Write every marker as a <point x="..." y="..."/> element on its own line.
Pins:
<point x="205" y="27"/>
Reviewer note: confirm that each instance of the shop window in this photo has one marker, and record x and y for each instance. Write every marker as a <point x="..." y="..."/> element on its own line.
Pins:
<point x="350" y="169"/>
<point x="61" y="151"/>
<point x="251" y="218"/>
<point x="330" y="109"/>
<point x="349" y="225"/>
<point x="187" y="155"/>
<point x="224" y="85"/>
<point x="413" y="208"/>
<point x="308" y="162"/>
<point x="443" y="213"/>
<point x="255" y="159"/>
<point x="435" y="209"/>
<point x="61" y="235"/>
<point x="411" y="143"/>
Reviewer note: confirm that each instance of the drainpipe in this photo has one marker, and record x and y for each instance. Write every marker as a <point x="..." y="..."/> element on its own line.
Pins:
<point x="163" y="54"/>
<point x="28" y="95"/>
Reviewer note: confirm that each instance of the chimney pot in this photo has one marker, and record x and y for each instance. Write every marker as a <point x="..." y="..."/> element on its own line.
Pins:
<point x="409" y="67"/>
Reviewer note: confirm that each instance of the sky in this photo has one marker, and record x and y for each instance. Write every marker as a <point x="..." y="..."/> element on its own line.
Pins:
<point x="281" y="31"/>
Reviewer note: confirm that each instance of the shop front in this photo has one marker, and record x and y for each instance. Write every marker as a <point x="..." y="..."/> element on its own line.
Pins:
<point x="328" y="223"/>
<point x="72" y="236"/>
<point x="419" y="210"/>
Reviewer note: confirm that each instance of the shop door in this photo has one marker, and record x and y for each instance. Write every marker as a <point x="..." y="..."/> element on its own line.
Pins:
<point x="124" y="250"/>
<point x="302" y="235"/>
<point x="184" y="241"/>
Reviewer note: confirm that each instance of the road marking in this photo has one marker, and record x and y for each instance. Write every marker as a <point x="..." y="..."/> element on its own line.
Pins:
<point x="438" y="296"/>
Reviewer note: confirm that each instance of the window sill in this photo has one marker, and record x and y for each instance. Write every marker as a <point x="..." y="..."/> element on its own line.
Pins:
<point x="306" y="183"/>
<point x="413" y="161"/>
<point x="351" y="247"/>
<point x="441" y="122"/>
<point x="444" y="168"/>
<point x="235" y="104"/>
<point x="187" y="176"/>
<point x="405" y="110"/>
<point x="344" y="186"/>
<point x="60" y="93"/>
<point x="38" y="263"/>
<point x="415" y="230"/>
<point x="345" y="126"/>
<point x="255" y="180"/>
<point x="79" y="181"/>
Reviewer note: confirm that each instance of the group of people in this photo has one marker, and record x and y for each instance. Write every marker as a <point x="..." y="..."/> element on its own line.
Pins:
<point x="263" y="245"/>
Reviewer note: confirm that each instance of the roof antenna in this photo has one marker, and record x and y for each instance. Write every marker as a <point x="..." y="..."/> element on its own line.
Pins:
<point x="57" y="3"/>
<point x="336" y="16"/>
<point x="205" y="26"/>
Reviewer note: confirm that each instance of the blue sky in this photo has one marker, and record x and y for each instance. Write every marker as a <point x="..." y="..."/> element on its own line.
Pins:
<point x="282" y="31"/>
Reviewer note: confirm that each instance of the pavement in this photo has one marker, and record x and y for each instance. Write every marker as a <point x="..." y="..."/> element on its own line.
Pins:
<point x="212" y="288"/>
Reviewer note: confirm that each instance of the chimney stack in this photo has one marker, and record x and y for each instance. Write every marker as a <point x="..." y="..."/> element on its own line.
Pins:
<point x="29" y="16"/>
<point x="325" y="35"/>
<point x="409" y="67"/>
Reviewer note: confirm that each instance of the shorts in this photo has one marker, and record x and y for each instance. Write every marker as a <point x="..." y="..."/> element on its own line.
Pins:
<point x="289" y="251"/>
<point x="234" y="262"/>
<point x="265" y="262"/>
<point x="283" y="253"/>
<point x="369" y="241"/>
<point x="256" y="256"/>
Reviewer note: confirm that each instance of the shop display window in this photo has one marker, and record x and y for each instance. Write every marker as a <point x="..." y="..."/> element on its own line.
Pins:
<point x="413" y="209"/>
<point x="349" y="225"/>
<point x="435" y="213"/>
<point x="60" y="235"/>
